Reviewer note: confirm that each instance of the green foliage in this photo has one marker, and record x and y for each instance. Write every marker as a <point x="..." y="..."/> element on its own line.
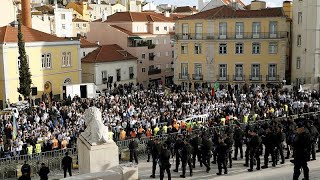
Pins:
<point x="24" y="70"/>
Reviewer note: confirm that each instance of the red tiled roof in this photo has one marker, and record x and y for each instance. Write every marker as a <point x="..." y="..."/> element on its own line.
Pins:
<point x="229" y="12"/>
<point x="108" y="53"/>
<point x="139" y="17"/>
<point x="78" y="20"/>
<point x="86" y="44"/>
<point x="184" y="9"/>
<point x="9" y="34"/>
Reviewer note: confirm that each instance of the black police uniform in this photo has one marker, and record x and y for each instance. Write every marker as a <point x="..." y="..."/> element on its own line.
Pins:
<point x="133" y="146"/>
<point x="269" y="141"/>
<point x="229" y="142"/>
<point x="26" y="169"/>
<point x="149" y="148"/>
<point x="164" y="163"/>
<point x="206" y="152"/>
<point x="222" y="153"/>
<point x="43" y="173"/>
<point x="247" y="152"/>
<point x="66" y="164"/>
<point x="280" y="137"/>
<point x="238" y="137"/>
<point x="196" y="142"/>
<point x="186" y="152"/>
<point x="255" y="151"/>
<point x="177" y="147"/>
<point x="301" y="145"/>
<point x="314" y="136"/>
<point x="156" y="149"/>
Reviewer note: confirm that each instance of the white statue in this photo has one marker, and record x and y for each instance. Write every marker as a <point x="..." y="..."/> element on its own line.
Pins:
<point x="96" y="132"/>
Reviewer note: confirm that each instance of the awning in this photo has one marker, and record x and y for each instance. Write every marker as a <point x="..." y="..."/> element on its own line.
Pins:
<point x="135" y="38"/>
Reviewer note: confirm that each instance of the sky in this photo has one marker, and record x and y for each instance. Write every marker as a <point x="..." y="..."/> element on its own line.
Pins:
<point x="270" y="3"/>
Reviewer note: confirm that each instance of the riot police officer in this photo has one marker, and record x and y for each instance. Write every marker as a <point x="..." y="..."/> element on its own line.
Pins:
<point x="164" y="162"/>
<point x="229" y="142"/>
<point x="254" y="151"/>
<point x="247" y="140"/>
<point x="186" y="152"/>
<point x="280" y="137"/>
<point x="196" y="142"/>
<point x="269" y="142"/>
<point x="133" y="146"/>
<point x="149" y="147"/>
<point x="155" y="151"/>
<point x="206" y="147"/>
<point x="314" y="136"/>
<point x="177" y="147"/>
<point x="238" y="137"/>
<point x="301" y="145"/>
<point x="222" y="153"/>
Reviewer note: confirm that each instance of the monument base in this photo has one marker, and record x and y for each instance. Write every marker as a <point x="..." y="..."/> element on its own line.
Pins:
<point x="96" y="158"/>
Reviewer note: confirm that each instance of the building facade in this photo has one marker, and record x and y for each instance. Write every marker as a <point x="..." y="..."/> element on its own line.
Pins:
<point x="80" y="27"/>
<point x="306" y="42"/>
<point x="63" y="22"/>
<point x="231" y="46"/>
<point x="80" y="10"/>
<point x="53" y="61"/>
<point x="145" y="35"/>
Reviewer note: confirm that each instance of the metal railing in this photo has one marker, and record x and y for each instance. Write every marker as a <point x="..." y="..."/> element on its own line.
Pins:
<point x="197" y="76"/>
<point x="255" y="77"/>
<point x="223" y="78"/>
<point x="239" y="77"/>
<point x="154" y="71"/>
<point x="184" y="76"/>
<point x="232" y="35"/>
<point x="272" y="78"/>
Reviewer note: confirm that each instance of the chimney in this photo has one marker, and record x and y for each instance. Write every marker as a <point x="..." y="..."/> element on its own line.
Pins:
<point x="26" y="13"/>
<point x="167" y="14"/>
<point x="258" y="5"/>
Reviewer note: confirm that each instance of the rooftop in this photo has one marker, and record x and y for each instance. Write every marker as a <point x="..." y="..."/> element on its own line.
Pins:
<point x="141" y="17"/>
<point x="86" y="44"/>
<point x="108" y="53"/>
<point x="184" y="9"/>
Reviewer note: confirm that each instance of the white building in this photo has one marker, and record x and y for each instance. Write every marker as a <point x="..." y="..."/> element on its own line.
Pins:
<point x="306" y="42"/>
<point x="99" y="10"/>
<point x="109" y="64"/>
<point x="63" y="22"/>
<point x="43" y="23"/>
<point x="204" y="5"/>
<point x="150" y="6"/>
<point x="7" y="10"/>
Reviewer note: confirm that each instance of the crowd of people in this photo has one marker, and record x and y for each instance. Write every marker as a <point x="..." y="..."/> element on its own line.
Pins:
<point x="132" y="111"/>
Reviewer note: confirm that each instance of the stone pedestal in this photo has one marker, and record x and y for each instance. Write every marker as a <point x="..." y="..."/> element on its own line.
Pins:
<point x="96" y="158"/>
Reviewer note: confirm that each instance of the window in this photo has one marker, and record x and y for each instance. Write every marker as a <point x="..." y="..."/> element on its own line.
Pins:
<point x="273" y="48"/>
<point x="63" y="16"/>
<point x="272" y="71"/>
<point x="157" y="28"/>
<point x="184" y="69"/>
<point x="197" y="69"/>
<point x="165" y="28"/>
<point x="223" y="71"/>
<point x="145" y="28"/>
<point x="184" y="49"/>
<point x="159" y="54"/>
<point x="66" y="59"/>
<point x="273" y="29"/>
<point x="256" y="28"/>
<point x="167" y="53"/>
<point x="143" y="69"/>
<point x="48" y="61"/>
<point x="78" y="25"/>
<point x="198" y="30"/>
<point x="63" y="26"/>
<point x="299" y="40"/>
<point x="84" y="25"/>
<point x="299" y="17"/>
<point x="43" y="61"/>
<point x="197" y="48"/>
<point x="143" y="56"/>
<point x="84" y="54"/>
<point x="164" y="41"/>
<point x="239" y="29"/>
<point x="255" y="71"/>
<point x="239" y="48"/>
<point x="151" y="56"/>
<point x="298" y="63"/>
<point x="255" y="48"/>
<point x="118" y="72"/>
<point x="185" y="31"/>
<point x="238" y="72"/>
<point x="64" y="56"/>
<point x="104" y="76"/>
<point x="223" y="48"/>
<point x="222" y="30"/>
<point x="131" y="75"/>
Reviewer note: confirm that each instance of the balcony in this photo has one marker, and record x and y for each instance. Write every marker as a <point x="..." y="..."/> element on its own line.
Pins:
<point x="255" y="77"/>
<point x="184" y="76"/>
<point x="272" y="78"/>
<point x="232" y="35"/>
<point x="239" y="78"/>
<point x="140" y="43"/>
<point x="154" y="71"/>
<point x="222" y="78"/>
<point x="197" y="77"/>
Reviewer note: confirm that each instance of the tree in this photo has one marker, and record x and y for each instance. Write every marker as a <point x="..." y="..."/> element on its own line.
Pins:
<point x="24" y="70"/>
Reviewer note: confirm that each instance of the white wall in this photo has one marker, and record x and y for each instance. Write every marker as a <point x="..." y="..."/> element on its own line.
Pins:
<point x="86" y="51"/>
<point x="111" y="68"/>
<point x="98" y="10"/>
<point x="7" y="12"/>
<point x="149" y="7"/>
<point x="68" y="31"/>
<point x="43" y="23"/>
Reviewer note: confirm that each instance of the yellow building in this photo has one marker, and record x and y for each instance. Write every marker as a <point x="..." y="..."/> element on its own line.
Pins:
<point x="53" y="61"/>
<point x="81" y="10"/>
<point x="231" y="46"/>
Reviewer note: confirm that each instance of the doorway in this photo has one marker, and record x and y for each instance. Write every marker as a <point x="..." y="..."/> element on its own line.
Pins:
<point x="83" y="91"/>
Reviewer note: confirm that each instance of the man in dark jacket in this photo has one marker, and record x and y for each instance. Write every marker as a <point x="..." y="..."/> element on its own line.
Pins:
<point x="269" y="141"/>
<point x="149" y="147"/>
<point x="222" y="151"/>
<point x="133" y="146"/>
<point x="301" y="145"/>
<point x="196" y="142"/>
<point x="186" y="152"/>
<point x="26" y="169"/>
<point x="43" y="172"/>
<point x="314" y="136"/>
<point x="254" y="151"/>
<point x="206" y="152"/>
<point x="155" y="151"/>
<point x="280" y="137"/>
<point x="164" y="162"/>
<point x="66" y="164"/>
<point x="229" y="142"/>
<point x="238" y="137"/>
<point x="177" y="147"/>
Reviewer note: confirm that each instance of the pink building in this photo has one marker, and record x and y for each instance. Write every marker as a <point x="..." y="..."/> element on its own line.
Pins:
<point x="147" y="36"/>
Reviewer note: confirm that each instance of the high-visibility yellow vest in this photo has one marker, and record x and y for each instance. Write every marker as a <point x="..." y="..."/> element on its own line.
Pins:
<point x="38" y="148"/>
<point x="223" y="120"/>
<point x="245" y="119"/>
<point x="255" y="117"/>
<point x="286" y="108"/>
<point x="155" y="131"/>
<point x="188" y="125"/>
<point x="29" y="150"/>
<point x="165" y="129"/>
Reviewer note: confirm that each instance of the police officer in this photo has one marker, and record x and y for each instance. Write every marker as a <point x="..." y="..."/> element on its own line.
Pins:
<point x="247" y="140"/>
<point x="238" y="137"/>
<point x="186" y="152"/>
<point x="314" y="136"/>
<point x="133" y="146"/>
<point x="269" y="141"/>
<point x="66" y="164"/>
<point x="149" y="147"/>
<point x="254" y="151"/>
<point x="164" y="162"/>
<point x="229" y="142"/>
<point x="26" y="169"/>
<point x="43" y="172"/>
<point x="222" y="153"/>
<point x="177" y="147"/>
<point x="280" y="137"/>
<point x="206" y="147"/>
<point x="301" y="145"/>
<point x="196" y="142"/>
<point x="155" y="151"/>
